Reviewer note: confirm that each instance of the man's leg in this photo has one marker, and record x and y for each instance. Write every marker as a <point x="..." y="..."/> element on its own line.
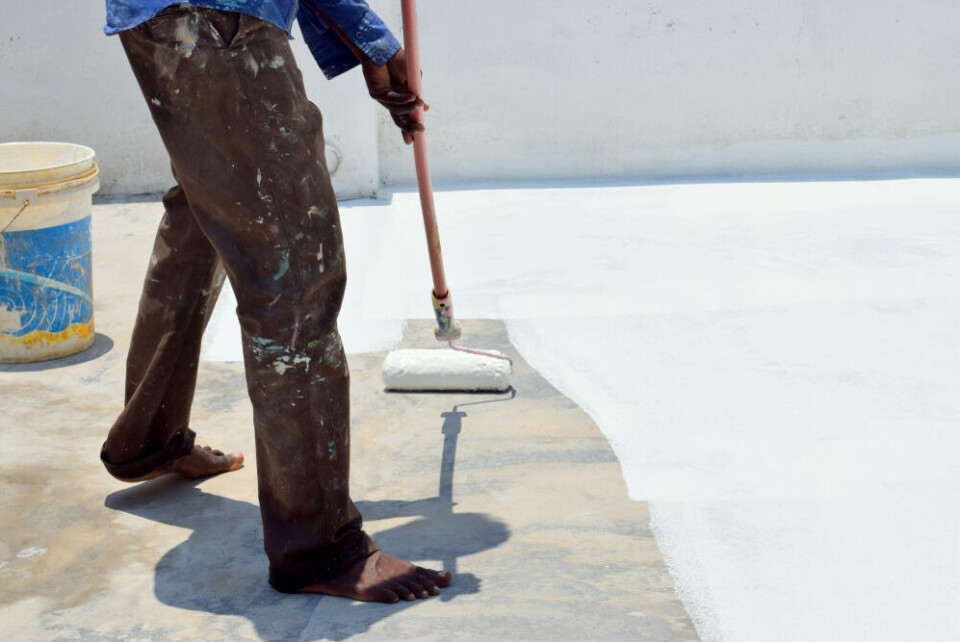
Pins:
<point x="247" y="147"/>
<point x="152" y="435"/>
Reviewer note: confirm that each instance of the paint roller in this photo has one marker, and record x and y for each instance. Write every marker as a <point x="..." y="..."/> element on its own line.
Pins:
<point x="438" y="369"/>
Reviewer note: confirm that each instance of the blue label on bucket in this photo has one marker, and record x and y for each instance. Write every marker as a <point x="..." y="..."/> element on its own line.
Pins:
<point x="45" y="279"/>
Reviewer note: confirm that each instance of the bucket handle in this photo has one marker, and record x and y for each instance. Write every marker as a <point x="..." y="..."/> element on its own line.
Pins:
<point x="27" y="196"/>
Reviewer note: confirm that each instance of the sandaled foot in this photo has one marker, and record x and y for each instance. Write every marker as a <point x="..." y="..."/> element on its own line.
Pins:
<point x="381" y="578"/>
<point x="203" y="461"/>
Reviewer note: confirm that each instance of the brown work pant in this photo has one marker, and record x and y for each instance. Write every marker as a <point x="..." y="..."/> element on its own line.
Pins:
<point x="253" y="199"/>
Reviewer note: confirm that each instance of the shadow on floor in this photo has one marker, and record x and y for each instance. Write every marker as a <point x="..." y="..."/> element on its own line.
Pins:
<point x="221" y="568"/>
<point x="102" y="344"/>
<point x="453" y="534"/>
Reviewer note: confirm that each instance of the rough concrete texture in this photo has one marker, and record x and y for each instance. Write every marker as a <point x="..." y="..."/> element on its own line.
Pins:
<point x="518" y="494"/>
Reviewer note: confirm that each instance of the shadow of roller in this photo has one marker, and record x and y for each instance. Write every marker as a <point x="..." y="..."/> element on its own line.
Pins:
<point x="442" y="534"/>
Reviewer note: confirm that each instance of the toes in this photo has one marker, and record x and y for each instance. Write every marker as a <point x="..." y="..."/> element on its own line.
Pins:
<point x="403" y="591"/>
<point x="439" y="578"/>
<point x="206" y="461"/>
<point x="209" y="450"/>
<point x="416" y="586"/>
<point x="385" y="595"/>
<point x="428" y="584"/>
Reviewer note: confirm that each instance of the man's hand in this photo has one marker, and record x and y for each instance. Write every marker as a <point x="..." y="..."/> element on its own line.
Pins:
<point x="388" y="86"/>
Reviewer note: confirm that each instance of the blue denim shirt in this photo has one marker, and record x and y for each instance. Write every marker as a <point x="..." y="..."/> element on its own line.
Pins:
<point x="355" y="17"/>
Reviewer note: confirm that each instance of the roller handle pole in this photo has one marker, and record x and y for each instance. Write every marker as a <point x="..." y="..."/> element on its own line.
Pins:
<point x="411" y="45"/>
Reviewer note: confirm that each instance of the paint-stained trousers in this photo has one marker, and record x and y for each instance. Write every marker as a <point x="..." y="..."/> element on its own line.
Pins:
<point x="253" y="200"/>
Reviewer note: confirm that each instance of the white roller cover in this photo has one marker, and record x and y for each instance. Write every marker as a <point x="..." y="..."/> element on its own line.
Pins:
<point x="444" y="369"/>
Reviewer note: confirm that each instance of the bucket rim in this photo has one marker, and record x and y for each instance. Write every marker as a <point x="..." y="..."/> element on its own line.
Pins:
<point x="52" y="188"/>
<point x="28" y="176"/>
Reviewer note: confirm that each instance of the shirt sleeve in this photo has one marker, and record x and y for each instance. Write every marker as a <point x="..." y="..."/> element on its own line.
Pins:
<point x="358" y="21"/>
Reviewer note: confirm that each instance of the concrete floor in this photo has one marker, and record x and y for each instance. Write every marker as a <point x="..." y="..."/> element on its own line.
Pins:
<point x="774" y="364"/>
<point x="520" y="495"/>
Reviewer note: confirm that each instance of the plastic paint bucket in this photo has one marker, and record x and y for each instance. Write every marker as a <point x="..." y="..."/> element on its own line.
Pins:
<point x="46" y="282"/>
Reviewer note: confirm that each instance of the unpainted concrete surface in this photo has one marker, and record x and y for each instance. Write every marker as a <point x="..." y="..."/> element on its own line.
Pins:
<point x="519" y="495"/>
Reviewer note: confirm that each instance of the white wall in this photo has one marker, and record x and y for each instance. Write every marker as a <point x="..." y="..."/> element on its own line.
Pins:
<point x="62" y="79"/>
<point x="561" y="89"/>
<point x="639" y="88"/>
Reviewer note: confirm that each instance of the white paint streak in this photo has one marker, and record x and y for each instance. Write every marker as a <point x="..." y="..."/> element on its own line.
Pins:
<point x="186" y="36"/>
<point x="251" y="63"/>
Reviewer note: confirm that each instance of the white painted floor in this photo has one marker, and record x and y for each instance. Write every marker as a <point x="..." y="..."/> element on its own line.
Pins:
<point x="777" y="365"/>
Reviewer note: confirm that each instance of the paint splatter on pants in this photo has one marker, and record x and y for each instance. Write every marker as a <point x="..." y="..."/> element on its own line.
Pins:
<point x="253" y="200"/>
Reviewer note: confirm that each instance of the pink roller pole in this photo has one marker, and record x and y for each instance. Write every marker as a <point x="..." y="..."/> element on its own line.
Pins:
<point x="411" y="43"/>
<point x="447" y="328"/>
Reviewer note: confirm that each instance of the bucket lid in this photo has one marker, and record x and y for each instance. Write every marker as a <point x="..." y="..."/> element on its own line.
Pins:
<point x="32" y="165"/>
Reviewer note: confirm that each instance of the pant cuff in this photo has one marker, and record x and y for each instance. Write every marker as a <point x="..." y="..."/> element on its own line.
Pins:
<point x="323" y="564"/>
<point x="179" y="445"/>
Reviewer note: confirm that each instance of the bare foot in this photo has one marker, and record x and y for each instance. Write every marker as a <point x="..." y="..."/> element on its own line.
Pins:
<point x="202" y="461"/>
<point x="381" y="578"/>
